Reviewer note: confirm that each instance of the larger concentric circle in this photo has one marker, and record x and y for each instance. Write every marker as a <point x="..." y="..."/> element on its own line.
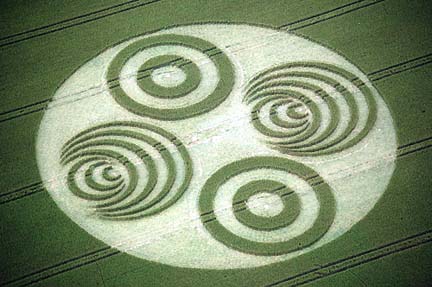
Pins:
<point x="322" y="222"/>
<point x="191" y="55"/>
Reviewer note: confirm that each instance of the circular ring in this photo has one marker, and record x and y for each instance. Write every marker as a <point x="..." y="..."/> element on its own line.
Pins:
<point x="212" y="100"/>
<point x="322" y="191"/>
<point x="290" y="211"/>
<point x="191" y="70"/>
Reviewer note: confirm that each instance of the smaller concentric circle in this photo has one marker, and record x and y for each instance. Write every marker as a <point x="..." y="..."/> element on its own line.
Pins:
<point x="209" y="84"/>
<point x="158" y="89"/>
<point x="291" y="210"/>
<point x="276" y="196"/>
<point x="168" y="76"/>
<point x="265" y="204"/>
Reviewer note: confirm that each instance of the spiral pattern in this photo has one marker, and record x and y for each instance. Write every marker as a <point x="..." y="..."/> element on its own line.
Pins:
<point x="208" y="77"/>
<point x="260" y="230"/>
<point x="311" y="108"/>
<point x="129" y="170"/>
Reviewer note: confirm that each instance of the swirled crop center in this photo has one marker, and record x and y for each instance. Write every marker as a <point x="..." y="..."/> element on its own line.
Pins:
<point x="216" y="146"/>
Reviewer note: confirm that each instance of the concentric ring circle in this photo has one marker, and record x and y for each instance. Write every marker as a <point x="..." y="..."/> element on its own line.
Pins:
<point x="191" y="82"/>
<point x="209" y="192"/>
<point x="225" y="77"/>
<point x="290" y="200"/>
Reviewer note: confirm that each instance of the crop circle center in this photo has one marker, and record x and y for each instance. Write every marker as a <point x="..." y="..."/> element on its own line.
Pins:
<point x="265" y="204"/>
<point x="168" y="77"/>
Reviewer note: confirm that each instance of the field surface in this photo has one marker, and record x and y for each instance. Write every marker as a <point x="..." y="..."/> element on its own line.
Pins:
<point x="216" y="143"/>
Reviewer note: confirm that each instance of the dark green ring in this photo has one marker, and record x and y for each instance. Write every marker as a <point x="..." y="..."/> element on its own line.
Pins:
<point x="321" y="225"/>
<point x="290" y="211"/>
<point x="192" y="81"/>
<point x="214" y="99"/>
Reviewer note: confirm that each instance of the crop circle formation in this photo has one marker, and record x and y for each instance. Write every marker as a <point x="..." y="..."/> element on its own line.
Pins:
<point x="107" y="148"/>
<point x="287" y="87"/>
<point x="210" y="98"/>
<point x="216" y="146"/>
<point x="323" y="193"/>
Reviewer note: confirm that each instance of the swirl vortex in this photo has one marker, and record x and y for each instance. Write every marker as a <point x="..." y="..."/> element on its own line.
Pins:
<point x="297" y="202"/>
<point x="129" y="170"/>
<point x="311" y="108"/>
<point x="208" y="77"/>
